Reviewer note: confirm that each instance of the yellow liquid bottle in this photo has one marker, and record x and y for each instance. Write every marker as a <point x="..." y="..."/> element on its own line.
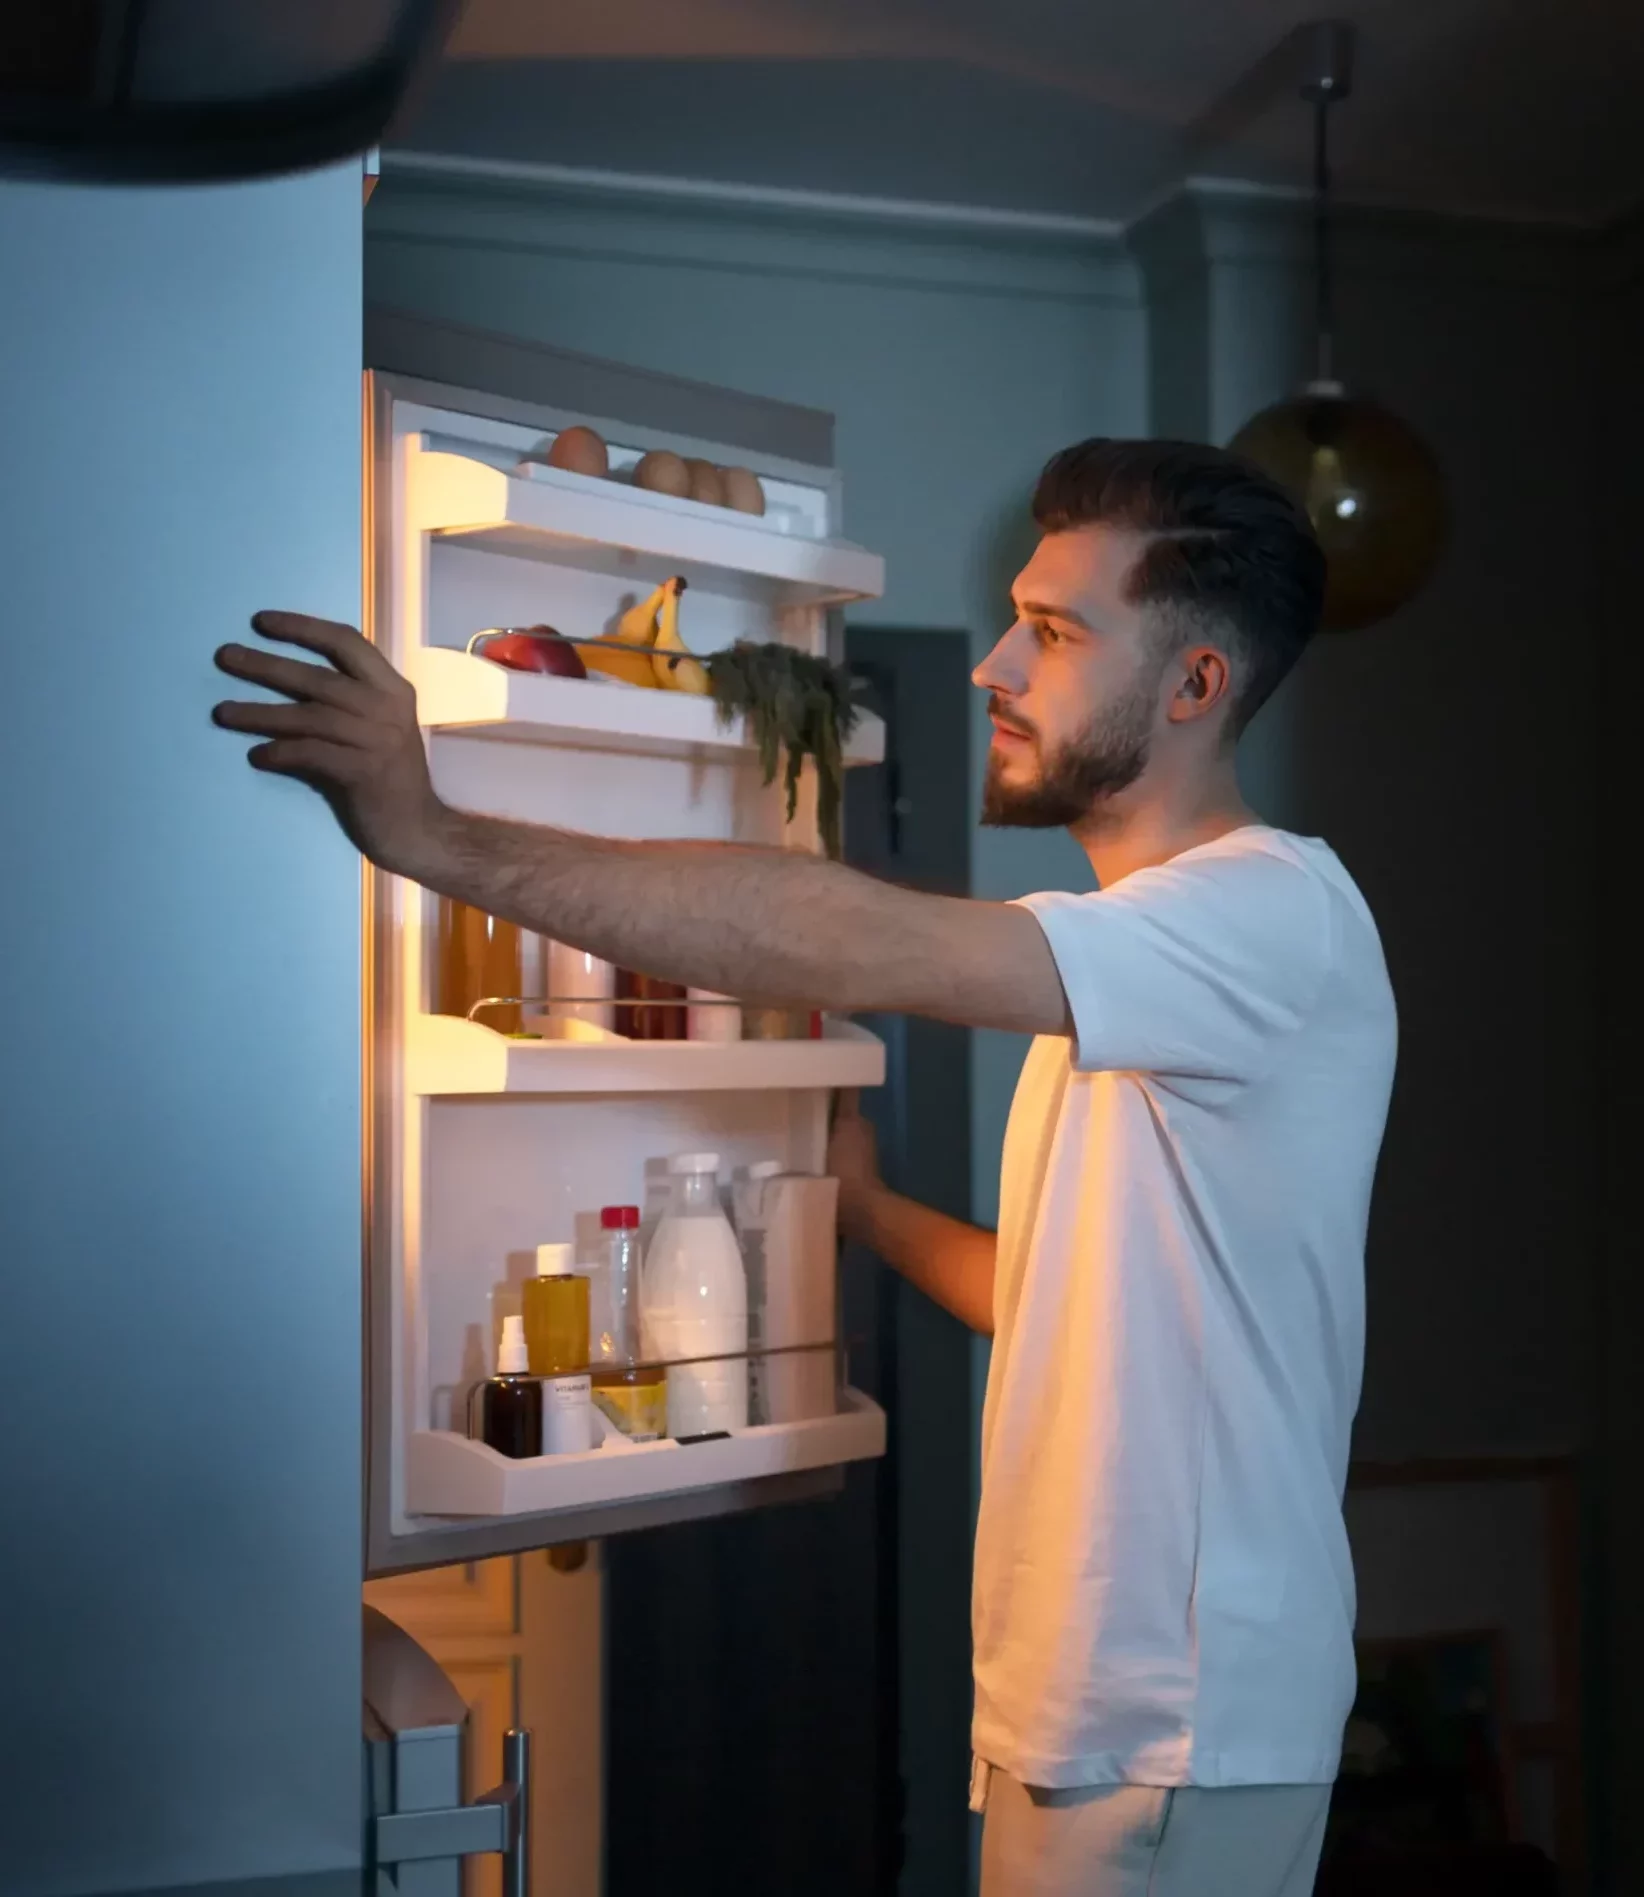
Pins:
<point x="632" y="1396"/>
<point x="556" y="1315"/>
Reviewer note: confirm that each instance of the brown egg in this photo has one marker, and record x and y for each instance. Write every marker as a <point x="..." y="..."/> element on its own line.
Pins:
<point x="707" y="483"/>
<point x="579" y="451"/>
<point x="663" y="473"/>
<point x="742" y="491"/>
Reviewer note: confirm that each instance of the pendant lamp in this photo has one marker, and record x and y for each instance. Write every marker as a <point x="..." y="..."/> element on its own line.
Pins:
<point x="1370" y="485"/>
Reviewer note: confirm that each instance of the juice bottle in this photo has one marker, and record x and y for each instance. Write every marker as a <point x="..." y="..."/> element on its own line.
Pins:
<point x="480" y="955"/>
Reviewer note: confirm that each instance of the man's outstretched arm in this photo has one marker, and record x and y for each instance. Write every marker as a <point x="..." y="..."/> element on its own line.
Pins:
<point x="765" y="925"/>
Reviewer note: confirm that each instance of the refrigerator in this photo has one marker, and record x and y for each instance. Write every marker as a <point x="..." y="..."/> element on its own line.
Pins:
<point x="483" y="1143"/>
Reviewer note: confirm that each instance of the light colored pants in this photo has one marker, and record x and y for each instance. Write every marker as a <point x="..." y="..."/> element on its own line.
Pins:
<point x="1150" y="1841"/>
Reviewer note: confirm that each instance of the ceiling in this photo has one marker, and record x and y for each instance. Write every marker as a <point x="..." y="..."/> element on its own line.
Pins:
<point x="1084" y="108"/>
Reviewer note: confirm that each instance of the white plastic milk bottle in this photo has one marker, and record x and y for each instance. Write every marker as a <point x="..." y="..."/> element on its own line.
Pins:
<point x="694" y="1303"/>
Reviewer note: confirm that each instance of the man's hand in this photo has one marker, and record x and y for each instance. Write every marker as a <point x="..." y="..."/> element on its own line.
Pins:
<point x="948" y="1260"/>
<point x="853" y="1159"/>
<point x="350" y="732"/>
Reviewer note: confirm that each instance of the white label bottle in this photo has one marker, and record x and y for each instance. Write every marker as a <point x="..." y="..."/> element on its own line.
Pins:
<point x="694" y="1304"/>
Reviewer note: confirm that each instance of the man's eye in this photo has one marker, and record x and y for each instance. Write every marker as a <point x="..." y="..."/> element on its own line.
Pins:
<point x="1048" y="635"/>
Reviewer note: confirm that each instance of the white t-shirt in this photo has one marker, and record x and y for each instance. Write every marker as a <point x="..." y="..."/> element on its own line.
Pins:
<point x="1163" y="1587"/>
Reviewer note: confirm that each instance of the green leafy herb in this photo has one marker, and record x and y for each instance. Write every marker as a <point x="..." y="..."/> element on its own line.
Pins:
<point x="797" y="707"/>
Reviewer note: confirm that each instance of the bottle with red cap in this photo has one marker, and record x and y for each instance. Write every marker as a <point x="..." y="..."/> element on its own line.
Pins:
<point x="631" y="1396"/>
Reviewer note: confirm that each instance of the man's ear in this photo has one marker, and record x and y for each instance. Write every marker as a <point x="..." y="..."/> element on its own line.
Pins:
<point x="1204" y="681"/>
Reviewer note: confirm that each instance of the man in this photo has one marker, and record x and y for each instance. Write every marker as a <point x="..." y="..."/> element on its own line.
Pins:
<point x="1163" y="1597"/>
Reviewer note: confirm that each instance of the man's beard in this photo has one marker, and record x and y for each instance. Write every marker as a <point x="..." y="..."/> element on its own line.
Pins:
<point x="1107" y="757"/>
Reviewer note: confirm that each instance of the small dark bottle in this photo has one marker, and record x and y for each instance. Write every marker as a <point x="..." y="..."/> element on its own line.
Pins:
<point x="505" y="1411"/>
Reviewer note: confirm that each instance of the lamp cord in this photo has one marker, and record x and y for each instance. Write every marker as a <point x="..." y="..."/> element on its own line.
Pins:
<point x="1324" y="279"/>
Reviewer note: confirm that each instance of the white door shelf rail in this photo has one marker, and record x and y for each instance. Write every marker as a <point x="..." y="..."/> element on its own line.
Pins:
<point x="462" y="692"/>
<point x="608" y="527"/>
<point x="448" y="1055"/>
<point x="447" y="1474"/>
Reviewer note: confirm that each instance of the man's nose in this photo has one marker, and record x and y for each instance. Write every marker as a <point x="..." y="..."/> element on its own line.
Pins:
<point x="1002" y="669"/>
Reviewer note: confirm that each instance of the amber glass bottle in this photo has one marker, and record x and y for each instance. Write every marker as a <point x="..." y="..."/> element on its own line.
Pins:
<point x="480" y="955"/>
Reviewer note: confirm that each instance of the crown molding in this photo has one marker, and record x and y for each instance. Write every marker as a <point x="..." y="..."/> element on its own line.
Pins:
<point x="464" y="204"/>
<point x="1222" y="220"/>
<point x="656" y="191"/>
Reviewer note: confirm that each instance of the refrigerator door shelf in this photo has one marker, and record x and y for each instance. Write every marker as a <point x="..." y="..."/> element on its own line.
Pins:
<point x="461" y="692"/>
<point x="447" y="1055"/>
<point x="448" y="1475"/>
<point x="604" y="526"/>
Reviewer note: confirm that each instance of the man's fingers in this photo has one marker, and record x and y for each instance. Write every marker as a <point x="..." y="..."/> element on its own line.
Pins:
<point x="318" y="683"/>
<point x="294" y="721"/>
<point x="303" y="757"/>
<point x="348" y="650"/>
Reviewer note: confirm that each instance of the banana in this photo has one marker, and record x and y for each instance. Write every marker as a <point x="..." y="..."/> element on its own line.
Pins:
<point x="637" y="627"/>
<point x="671" y="658"/>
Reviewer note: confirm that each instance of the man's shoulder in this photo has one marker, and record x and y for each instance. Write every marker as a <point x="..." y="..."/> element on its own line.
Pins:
<point x="1281" y="857"/>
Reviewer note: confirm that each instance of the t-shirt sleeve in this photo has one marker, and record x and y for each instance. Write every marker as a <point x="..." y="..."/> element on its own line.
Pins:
<point x="1196" y="968"/>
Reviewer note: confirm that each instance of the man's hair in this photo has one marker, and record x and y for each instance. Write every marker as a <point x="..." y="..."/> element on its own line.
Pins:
<point x="1226" y="550"/>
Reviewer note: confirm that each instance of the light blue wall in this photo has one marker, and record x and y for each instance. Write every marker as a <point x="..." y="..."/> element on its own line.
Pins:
<point x="954" y="366"/>
<point x="179" y="1036"/>
<point x="1227" y="335"/>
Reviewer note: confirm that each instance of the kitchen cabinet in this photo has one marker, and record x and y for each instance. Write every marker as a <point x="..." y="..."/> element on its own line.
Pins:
<point x="482" y="1145"/>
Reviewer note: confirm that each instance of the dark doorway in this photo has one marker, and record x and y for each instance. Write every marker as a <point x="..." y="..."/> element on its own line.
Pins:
<point x="788" y="1692"/>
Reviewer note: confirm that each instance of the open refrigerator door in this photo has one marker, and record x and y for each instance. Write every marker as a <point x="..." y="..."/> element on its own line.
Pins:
<point x="493" y="1130"/>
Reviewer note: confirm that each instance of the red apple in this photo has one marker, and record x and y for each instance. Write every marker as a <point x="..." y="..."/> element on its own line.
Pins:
<point x="532" y="649"/>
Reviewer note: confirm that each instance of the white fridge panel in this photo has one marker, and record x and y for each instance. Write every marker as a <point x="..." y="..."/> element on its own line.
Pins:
<point x="609" y="793"/>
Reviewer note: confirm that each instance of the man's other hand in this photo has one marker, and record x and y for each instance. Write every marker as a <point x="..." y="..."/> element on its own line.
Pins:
<point x="853" y="1159"/>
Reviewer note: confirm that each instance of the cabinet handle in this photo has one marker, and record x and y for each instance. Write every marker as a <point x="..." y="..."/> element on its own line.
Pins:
<point x="498" y="1820"/>
<point x="514" y="1796"/>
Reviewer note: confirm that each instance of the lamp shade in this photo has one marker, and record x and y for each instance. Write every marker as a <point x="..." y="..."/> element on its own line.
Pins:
<point x="190" y="91"/>
<point x="1371" y="489"/>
